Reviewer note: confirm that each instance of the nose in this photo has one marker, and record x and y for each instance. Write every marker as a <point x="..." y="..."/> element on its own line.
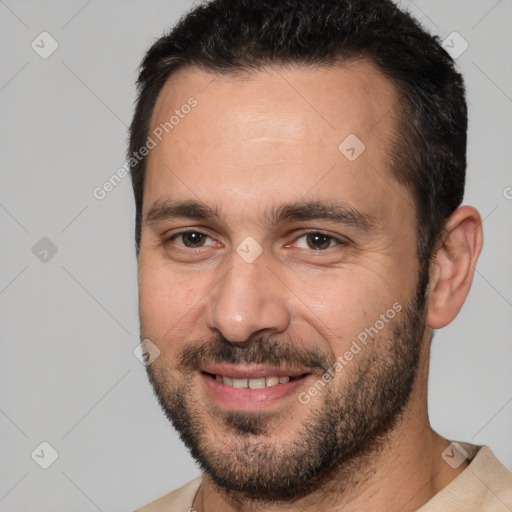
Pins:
<point x="248" y="299"/>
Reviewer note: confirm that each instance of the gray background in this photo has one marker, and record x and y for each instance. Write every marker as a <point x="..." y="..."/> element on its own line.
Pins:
<point x="69" y="324"/>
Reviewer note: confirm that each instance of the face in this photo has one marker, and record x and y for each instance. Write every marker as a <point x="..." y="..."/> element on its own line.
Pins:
<point x="278" y="273"/>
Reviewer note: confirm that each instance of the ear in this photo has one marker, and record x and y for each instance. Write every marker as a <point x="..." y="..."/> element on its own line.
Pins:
<point x="453" y="266"/>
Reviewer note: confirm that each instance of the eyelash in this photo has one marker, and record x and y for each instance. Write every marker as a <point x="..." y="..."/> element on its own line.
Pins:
<point x="183" y="247"/>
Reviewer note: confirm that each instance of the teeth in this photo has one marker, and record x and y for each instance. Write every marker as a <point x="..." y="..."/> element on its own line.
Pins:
<point x="272" y="381"/>
<point x="258" y="383"/>
<point x="239" y="383"/>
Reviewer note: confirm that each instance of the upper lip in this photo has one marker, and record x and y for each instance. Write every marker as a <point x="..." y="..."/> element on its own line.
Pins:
<point x="241" y="371"/>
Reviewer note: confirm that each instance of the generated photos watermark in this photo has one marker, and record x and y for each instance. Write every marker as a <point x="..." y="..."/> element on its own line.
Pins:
<point x="100" y="192"/>
<point x="344" y="359"/>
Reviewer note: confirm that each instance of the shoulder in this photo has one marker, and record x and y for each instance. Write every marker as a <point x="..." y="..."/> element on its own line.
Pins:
<point x="486" y="484"/>
<point x="179" y="500"/>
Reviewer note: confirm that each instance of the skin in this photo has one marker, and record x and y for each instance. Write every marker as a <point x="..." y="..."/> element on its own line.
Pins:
<point x="258" y="141"/>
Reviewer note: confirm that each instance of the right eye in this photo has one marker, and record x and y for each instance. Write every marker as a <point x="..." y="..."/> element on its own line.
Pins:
<point x="190" y="239"/>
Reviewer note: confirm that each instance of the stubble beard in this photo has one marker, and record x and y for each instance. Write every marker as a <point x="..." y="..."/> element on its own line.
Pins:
<point x="351" y="420"/>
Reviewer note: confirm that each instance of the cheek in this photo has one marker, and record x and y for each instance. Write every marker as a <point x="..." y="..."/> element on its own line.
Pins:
<point x="168" y="302"/>
<point x="342" y="305"/>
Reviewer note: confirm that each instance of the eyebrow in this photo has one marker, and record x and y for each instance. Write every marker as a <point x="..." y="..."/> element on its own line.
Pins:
<point x="338" y="212"/>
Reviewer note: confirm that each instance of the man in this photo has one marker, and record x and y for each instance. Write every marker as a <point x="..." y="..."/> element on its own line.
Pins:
<point x="298" y="169"/>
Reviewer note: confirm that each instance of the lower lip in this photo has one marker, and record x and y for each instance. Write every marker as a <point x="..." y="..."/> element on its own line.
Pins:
<point x="247" y="399"/>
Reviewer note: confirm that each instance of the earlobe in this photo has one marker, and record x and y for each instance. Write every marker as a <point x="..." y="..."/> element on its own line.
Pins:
<point x="452" y="269"/>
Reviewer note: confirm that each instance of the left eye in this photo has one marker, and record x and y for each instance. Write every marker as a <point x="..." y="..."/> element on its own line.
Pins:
<point x="191" y="239"/>
<point x="317" y="241"/>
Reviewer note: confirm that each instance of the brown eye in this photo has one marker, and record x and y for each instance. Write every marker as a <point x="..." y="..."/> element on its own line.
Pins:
<point x="318" y="241"/>
<point x="191" y="239"/>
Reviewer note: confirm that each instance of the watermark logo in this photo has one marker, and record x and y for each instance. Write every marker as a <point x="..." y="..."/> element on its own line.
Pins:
<point x="352" y="147"/>
<point x="44" y="45"/>
<point x="44" y="455"/>
<point x="44" y="250"/>
<point x="146" y="352"/>
<point x="455" y="45"/>
<point x="249" y="249"/>
<point x="454" y="455"/>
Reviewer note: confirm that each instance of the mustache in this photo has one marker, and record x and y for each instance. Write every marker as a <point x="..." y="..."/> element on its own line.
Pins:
<point x="283" y="354"/>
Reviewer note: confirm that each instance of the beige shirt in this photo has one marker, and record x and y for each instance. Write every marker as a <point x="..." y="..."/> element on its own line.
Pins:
<point x="484" y="486"/>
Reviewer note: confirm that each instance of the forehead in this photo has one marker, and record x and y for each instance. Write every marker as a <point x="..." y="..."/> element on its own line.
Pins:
<point x="282" y="130"/>
<point x="322" y="101"/>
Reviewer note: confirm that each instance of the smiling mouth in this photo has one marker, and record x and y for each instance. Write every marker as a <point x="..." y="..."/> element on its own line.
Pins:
<point x="254" y="383"/>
